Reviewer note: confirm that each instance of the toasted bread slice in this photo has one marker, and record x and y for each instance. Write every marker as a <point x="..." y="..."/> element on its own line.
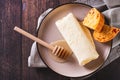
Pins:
<point x="94" y="20"/>
<point x="107" y="33"/>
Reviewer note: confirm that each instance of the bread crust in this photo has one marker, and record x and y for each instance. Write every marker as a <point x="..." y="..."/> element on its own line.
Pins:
<point x="107" y="33"/>
<point x="94" y="20"/>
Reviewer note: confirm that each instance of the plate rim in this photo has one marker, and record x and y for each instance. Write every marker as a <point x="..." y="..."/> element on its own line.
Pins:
<point x="88" y="75"/>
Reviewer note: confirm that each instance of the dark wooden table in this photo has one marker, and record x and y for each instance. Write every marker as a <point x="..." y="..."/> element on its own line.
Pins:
<point x="15" y="49"/>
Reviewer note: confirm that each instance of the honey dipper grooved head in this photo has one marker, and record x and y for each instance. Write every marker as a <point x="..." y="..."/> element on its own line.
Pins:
<point x="60" y="52"/>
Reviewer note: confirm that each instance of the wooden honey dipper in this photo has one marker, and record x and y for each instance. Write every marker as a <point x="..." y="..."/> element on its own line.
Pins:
<point x="58" y="51"/>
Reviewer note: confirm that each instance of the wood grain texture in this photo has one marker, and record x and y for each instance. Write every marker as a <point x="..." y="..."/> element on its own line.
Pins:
<point x="29" y="21"/>
<point x="15" y="49"/>
<point x="10" y="42"/>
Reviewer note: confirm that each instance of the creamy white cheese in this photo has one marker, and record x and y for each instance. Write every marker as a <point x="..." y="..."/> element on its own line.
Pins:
<point x="77" y="39"/>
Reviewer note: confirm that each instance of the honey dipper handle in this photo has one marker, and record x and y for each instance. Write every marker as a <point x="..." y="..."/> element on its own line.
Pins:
<point x="21" y="31"/>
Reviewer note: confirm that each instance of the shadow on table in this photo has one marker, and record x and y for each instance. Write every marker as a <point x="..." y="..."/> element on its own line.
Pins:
<point x="110" y="72"/>
<point x="50" y="75"/>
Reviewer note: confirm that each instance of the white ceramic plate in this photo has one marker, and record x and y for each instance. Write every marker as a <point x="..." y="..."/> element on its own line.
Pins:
<point x="49" y="33"/>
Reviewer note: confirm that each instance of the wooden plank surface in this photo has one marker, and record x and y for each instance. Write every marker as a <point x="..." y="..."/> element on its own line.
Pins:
<point x="15" y="49"/>
<point x="10" y="42"/>
<point x="29" y="21"/>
